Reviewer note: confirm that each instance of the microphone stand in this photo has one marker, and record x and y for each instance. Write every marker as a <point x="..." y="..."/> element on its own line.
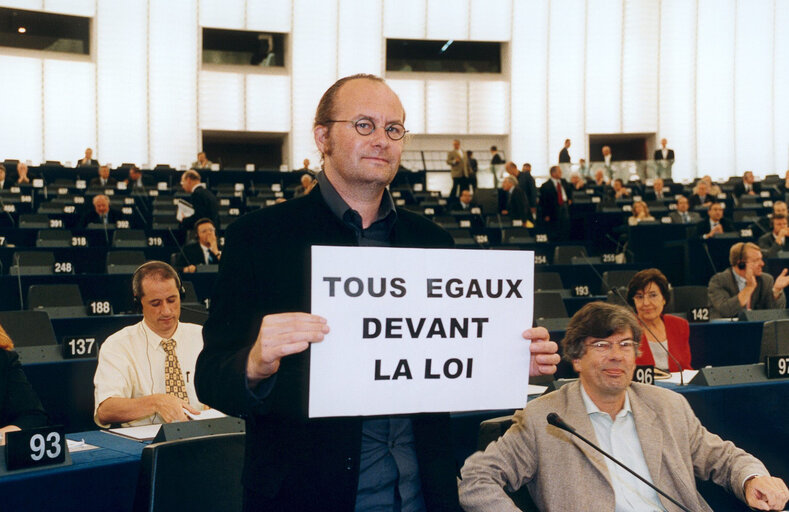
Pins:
<point x="558" y="422"/>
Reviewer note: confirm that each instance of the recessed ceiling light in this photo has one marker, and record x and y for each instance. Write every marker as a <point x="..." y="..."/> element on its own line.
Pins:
<point x="22" y="30"/>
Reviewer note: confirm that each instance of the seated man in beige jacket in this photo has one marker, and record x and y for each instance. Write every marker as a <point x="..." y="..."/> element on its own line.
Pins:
<point x="650" y="429"/>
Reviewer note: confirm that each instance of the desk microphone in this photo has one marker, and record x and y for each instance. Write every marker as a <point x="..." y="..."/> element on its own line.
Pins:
<point x="19" y="282"/>
<point x="555" y="420"/>
<point x="631" y="308"/>
<point x="709" y="257"/>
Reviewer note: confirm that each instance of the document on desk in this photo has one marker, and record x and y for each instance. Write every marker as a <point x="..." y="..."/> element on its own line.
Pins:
<point x="687" y="375"/>
<point x="79" y="446"/>
<point x="141" y="433"/>
<point x="207" y="414"/>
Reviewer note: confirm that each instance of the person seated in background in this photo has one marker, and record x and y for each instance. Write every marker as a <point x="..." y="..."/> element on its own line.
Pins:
<point x="137" y="181"/>
<point x="101" y="213"/>
<point x="202" y="162"/>
<point x="204" y="250"/>
<point x="465" y="201"/>
<point x="775" y="241"/>
<point x="715" y="223"/>
<point x="4" y="183"/>
<point x="307" y="182"/>
<point x="22" y="175"/>
<point x="683" y="215"/>
<point x="87" y="160"/>
<point x="620" y="191"/>
<point x="599" y="178"/>
<point x="145" y="372"/>
<point x="103" y="180"/>
<point x="656" y="193"/>
<point x="764" y="223"/>
<point x="783" y="186"/>
<point x="712" y="187"/>
<point x="640" y="213"/>
<point x="744" y="286"/>
<point x="516" y="204"/>
<point x="650" y="429"/>
<point x="20" y="408"/>
<point x="748" y="186"/>
<point x="701" y="195"/>
<point x="577" y="182"/>
<point x="648" y="293"/>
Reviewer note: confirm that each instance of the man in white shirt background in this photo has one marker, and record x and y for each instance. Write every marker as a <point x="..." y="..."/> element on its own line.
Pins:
<point x="145" y="372"/>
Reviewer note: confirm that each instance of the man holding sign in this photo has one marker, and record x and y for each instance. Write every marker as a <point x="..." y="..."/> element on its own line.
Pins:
<point x="256" y="360"/>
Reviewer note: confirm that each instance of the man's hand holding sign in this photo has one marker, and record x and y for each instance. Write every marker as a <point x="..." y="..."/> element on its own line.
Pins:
<point x="281" y="335"/>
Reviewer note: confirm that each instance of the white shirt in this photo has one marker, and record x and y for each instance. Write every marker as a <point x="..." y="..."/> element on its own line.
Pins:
<point x="206" y="253"/>
<point x="620" y="438"/>
<point x="131" y="365"/>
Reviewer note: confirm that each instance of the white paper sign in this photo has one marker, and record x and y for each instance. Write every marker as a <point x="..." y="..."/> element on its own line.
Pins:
<point x="420" y="330"/>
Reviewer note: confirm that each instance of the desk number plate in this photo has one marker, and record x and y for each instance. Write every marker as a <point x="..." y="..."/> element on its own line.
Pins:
<point x="35" y="447"/>
<point x="79" y="347"/>
<point x="644" y="374"/>
<point x="778" y="367"/>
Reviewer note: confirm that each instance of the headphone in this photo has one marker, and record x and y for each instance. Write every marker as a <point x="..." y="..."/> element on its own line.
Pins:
<point x="740" y="258"/>
<point x="149" y="267"/>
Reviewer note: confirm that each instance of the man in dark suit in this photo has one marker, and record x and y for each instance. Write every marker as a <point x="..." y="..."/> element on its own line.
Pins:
<point x="204" y="250"/>
<point x="137" y="181"/>
<point x="715" y="223"/>
<point x="465" y="202"/>
<point x="495" y="157"/>
<point x="101" y="213"/>
<point x="516" y="202"/>
<point x="664" y="159"/>
<point x="744" y="286"/>
<point x="103" y="180"/>
<point x="88" y="160"/>
<point x="775" y="241"/>
<point x="255" y="362"/>
<point x="702" y="196"/>
<point x="203" y="201"/>
<point x="564" y="154"/>
<point x="555" y="198"/>
<point x="682" y="215"/>
<point x="656" y="193"/>
<point x="748" y="186"/>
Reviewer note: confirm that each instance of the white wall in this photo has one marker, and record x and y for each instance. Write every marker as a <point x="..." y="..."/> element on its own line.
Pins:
<point x="710" y="75"/>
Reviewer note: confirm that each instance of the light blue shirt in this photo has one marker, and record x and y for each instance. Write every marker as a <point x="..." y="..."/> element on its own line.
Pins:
<point x="739" y="280"/>
<point x="620" y="439"/>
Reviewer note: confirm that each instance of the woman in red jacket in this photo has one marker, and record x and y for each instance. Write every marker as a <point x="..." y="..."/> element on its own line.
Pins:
<point x="648" y="293"/>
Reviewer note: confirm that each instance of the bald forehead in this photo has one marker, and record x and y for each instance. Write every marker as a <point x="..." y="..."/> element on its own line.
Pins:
<point x="365" y="97"/>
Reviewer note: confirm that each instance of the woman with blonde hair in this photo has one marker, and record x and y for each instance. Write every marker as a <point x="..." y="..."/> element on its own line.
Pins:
<point x="640" y="213"/>
<point x="20" y="408"/>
